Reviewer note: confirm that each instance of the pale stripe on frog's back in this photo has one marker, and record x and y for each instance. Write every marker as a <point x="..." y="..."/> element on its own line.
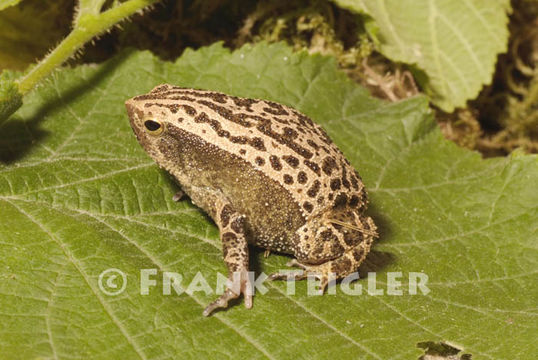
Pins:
<point x="275" y="139"/>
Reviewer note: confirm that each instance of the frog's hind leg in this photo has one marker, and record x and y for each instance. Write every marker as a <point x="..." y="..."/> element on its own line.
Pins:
<point x="235" y="252"/>
<point x="331" y="270"/>
<point x="344" y="235"/>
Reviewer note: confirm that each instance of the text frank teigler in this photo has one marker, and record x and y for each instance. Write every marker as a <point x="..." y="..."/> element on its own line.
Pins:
<point x="114" y="281"/>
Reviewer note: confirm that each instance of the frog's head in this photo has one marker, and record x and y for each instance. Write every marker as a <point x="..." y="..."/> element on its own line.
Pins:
<point x="152" y="119"/>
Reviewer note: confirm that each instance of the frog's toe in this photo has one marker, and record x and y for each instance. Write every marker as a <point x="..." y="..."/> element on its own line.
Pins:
<point x="229" y="294"/>
<point x="320" y="272"/>
<point x="178" y="196"/>
<point x="221" y="302"/>
<point x="290" y="275"/>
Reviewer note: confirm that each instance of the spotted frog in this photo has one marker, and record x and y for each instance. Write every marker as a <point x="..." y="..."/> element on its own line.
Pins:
<point x="265" y="173"/>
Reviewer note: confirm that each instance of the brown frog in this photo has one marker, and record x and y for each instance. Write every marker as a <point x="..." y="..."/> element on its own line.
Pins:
<point x="265" y="173"/>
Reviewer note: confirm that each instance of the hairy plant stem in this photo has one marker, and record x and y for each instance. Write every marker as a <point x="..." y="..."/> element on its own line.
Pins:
<point x="87" y="27"/>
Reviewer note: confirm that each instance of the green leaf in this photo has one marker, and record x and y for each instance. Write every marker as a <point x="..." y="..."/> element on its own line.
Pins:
<point x="7" y="3"/>
<point x="455" y="42"/>
<point x="78" y="196"/>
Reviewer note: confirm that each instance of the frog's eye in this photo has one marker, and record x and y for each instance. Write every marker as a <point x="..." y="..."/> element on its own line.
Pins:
<point x="153" y="127"/>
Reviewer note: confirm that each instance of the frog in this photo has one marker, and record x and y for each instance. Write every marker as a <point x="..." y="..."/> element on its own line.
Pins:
<point x="266" y="174"/>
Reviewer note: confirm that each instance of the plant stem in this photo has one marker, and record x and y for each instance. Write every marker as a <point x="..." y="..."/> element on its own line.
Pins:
<point x="87" y="27"/>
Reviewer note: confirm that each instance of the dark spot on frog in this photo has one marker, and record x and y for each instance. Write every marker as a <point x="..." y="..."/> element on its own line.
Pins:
<point x="290" y="133"/>
<point x="244" y="103"/>
<point x="225" y="215"/>
<point x="352" y="237"/>
<point x="172" y="107"/>
<point x="312" y="144"/>
<point x="288" y="179"/>
<point x="160" y="88"/>
<point x="228" y="237"/>
<point x="238" y="223"/>
<point x="329" y="164"/>
<point x="340" y="200"/>
<point x="354" y="201"/>
<point x="358" y="253"/>
<point x="275" y="163"/>
<point x="328" y="235"/>
<point x="226" y="113"/>
<point x="215" y="96"/>
<point x="313" y="166"/>
<point x="257" y="143"/>
<point x="148" y="97"/>
<point x="279" y="120"/>
<point x="184" y="98"/>
<point x="239" y="139"/>
<point x="302" y="178"/>
<point x="259" y="161"/>
<point x="242" y="151"/>
<point x="314" y="189"/>
<point x="308" y="206"/>
<point x="223" y="133"/>
<point x="220" y="98"/>
<point x="345" y="181"/>
<point x="291" y="160"/>
<point x="275" y="109"/>
<point x="265" y="127"/>
<point x="189" y="110"/>
<point x="335" y="184"/>
<point x="355" y="181"/>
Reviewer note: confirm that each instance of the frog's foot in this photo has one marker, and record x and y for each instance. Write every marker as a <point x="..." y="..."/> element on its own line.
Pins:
<point x="331" y="270"/>
<point x="178" y="196"/>
<point x="240" y="285"/>
<point x="266" y="253"/>
<point x="322" y="272"/>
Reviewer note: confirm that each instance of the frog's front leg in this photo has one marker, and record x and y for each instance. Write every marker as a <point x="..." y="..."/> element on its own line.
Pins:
<point x="235" y="253"/>
<point x="178" y="196"/>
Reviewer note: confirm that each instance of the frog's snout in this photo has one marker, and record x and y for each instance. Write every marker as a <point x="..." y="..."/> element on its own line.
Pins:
<point x="130" y="109"/>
